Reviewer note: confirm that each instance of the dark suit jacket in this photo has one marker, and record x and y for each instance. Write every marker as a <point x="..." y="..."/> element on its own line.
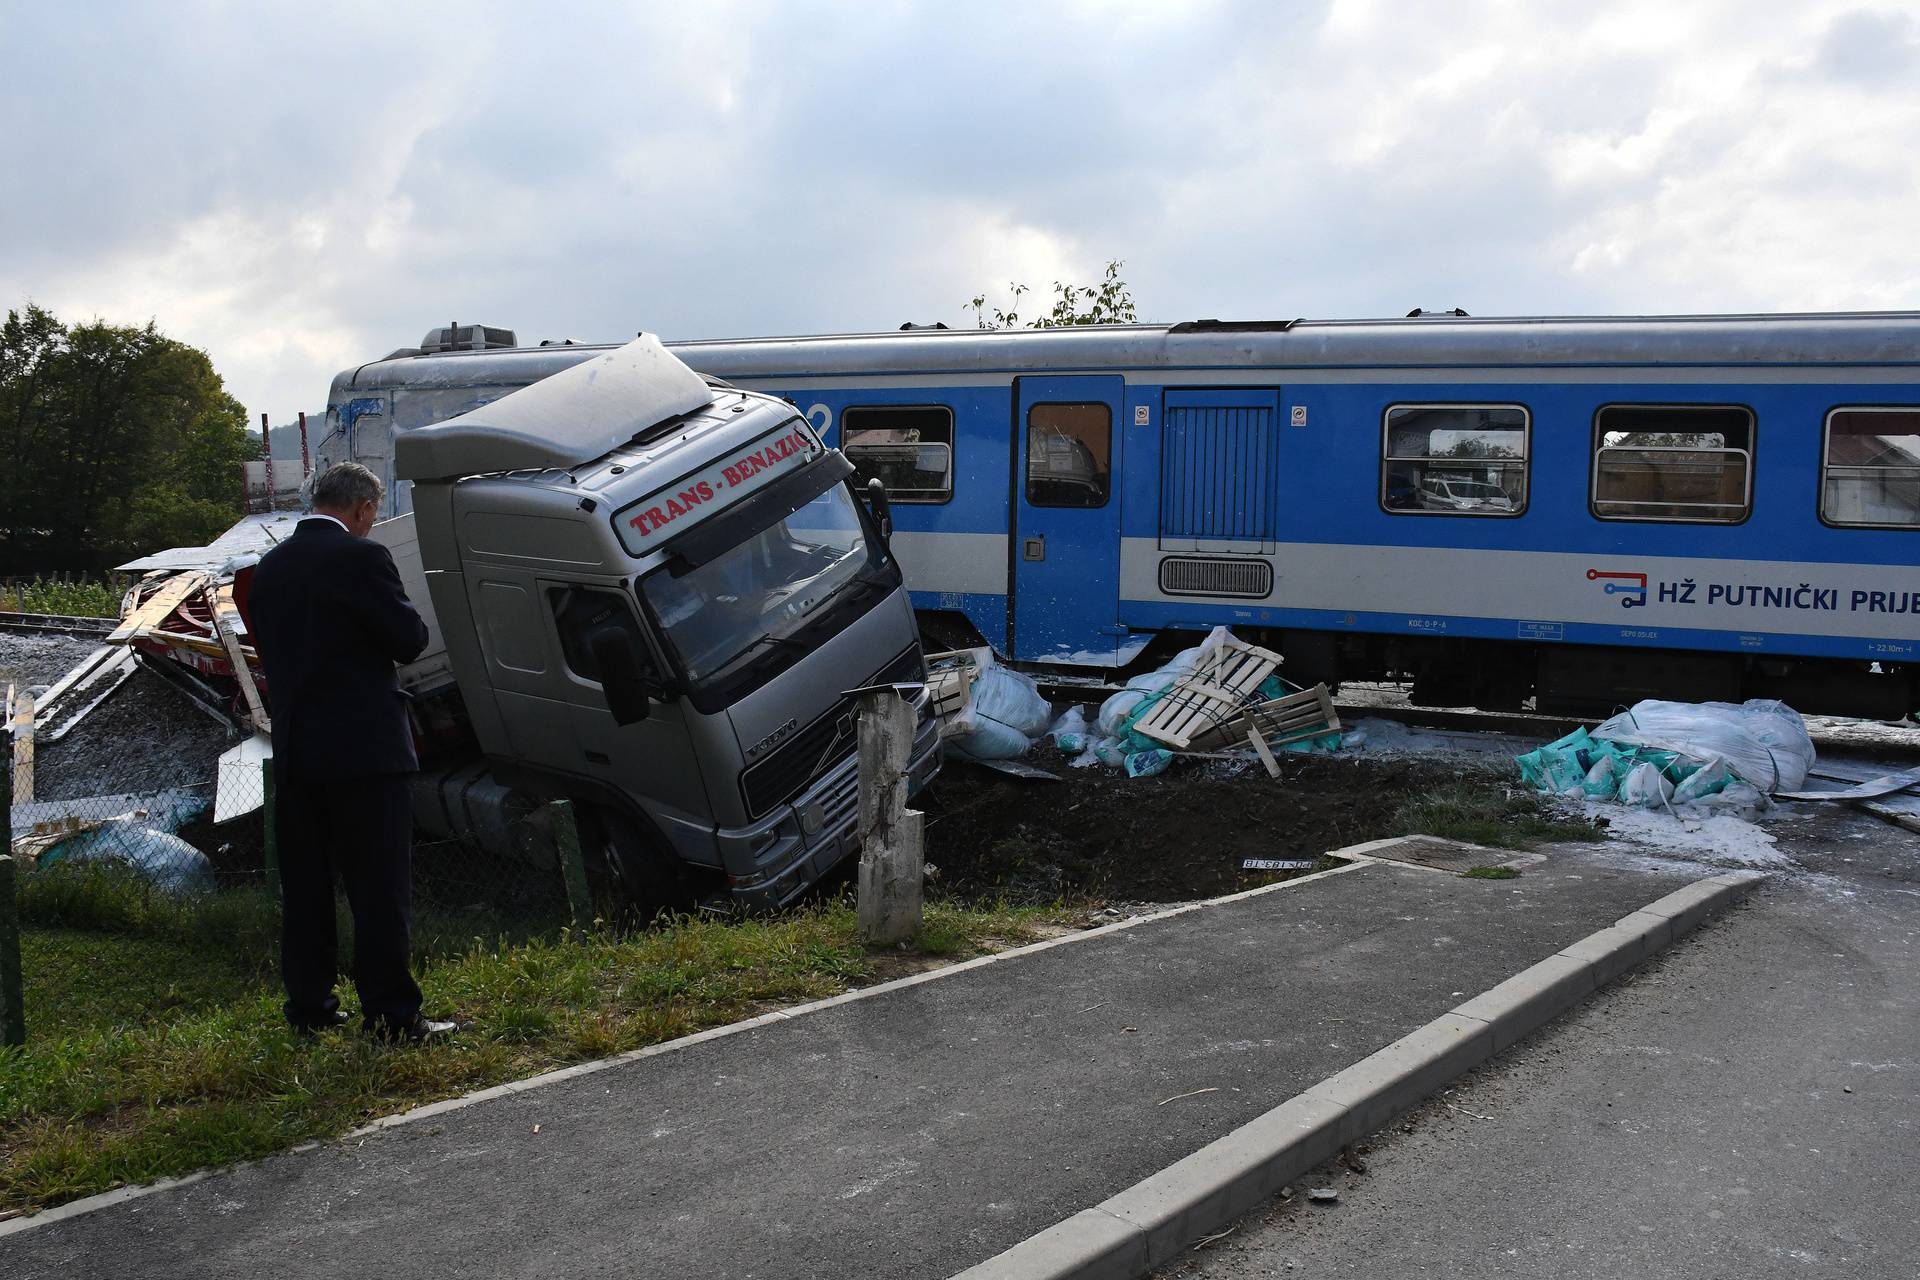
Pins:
<point x="330" y="619"/>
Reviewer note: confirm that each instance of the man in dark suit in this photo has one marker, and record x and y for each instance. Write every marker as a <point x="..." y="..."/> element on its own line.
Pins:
<point x="330" y="619"/>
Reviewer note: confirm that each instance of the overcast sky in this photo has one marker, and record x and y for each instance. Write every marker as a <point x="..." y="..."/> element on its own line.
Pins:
<point x="298" y="188"/>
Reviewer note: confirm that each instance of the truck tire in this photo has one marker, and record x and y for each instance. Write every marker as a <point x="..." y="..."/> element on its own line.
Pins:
<point x="632" y="871"/>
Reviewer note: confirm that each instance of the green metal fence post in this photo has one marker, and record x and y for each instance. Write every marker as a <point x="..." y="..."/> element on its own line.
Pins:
<point x="271" y="845"/>
<point x="573" y="864"/>
<point x="13" y="996"/>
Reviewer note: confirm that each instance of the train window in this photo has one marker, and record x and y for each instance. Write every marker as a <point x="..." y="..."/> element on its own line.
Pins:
<point x="1673" y="462"/>
<point x="1454" y="460"/>
<point x="1068" y="451"/>
<point x="1870" y="469"/>
<point x="909" y="447"/>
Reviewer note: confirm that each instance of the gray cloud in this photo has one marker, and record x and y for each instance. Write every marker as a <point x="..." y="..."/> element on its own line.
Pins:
<point x="1870" y="45"/>
<point x="298" y="191"/>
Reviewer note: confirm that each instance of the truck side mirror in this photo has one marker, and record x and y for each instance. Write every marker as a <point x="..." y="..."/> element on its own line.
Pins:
<point x="621" y="679"/>
<point x="881" y="508"/>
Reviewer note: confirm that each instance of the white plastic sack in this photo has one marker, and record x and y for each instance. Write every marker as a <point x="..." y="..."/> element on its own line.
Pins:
<point x="1763" y="741"/>
<point x="1738" y="800"/>
<point x="1012" y="699"/>
<point x="1645" y="788"/>
<point x="167" y="860"/>
<point x="1006" y="715"/>
<point x="991" y="741"/>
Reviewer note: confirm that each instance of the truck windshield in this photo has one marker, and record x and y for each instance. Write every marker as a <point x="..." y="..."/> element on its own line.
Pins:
<point x="765" y="590"/>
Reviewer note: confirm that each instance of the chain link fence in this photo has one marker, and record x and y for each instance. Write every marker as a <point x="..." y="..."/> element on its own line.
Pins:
<point x="137" y="906"/>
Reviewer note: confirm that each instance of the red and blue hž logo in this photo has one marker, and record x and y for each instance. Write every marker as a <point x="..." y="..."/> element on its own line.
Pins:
<point x="1631" y="586"/>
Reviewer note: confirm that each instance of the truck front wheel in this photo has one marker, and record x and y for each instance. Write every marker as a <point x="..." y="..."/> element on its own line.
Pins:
<point x="631" y="869"/>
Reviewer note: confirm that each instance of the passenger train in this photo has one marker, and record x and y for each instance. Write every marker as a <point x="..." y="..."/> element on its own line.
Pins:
<point x="1578" y="511"/>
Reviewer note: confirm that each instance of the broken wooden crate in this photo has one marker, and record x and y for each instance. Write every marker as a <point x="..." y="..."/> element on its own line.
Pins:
<point x="1278" y="721"/>
<point x="190" y="617"/>
<point x="1294" y="718"/>
<point x="1205" y="703"/>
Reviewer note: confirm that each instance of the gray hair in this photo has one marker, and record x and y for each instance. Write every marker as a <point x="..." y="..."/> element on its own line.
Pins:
<point x="345" y="485"/>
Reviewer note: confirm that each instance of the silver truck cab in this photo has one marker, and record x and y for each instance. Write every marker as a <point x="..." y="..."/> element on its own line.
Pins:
<point x="653" y="594"/>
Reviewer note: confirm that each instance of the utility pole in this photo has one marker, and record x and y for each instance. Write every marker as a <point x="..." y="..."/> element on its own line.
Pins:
<point x="266" y="445"/>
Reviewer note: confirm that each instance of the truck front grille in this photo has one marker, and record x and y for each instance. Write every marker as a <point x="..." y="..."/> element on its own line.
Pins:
<point x="841" y="802"/>
<point x="829" y="740"/>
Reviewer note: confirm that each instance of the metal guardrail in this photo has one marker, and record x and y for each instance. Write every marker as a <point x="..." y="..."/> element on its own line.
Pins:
<point x="56" y="624"/>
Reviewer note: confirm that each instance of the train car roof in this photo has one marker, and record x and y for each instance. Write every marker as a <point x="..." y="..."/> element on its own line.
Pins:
<point x="1813" y="338"/>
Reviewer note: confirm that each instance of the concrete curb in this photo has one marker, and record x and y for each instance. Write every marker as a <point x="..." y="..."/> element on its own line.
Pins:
<point x="1154" y="1221"/>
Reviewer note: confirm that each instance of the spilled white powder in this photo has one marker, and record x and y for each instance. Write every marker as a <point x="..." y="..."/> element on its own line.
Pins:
<point x="1719" y="839"/>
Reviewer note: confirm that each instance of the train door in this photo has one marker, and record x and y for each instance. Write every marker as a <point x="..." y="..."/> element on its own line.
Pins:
<point x="1066" y="525"/>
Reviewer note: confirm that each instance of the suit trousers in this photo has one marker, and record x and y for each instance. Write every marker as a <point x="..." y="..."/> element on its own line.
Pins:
<point x="362" y="830"/>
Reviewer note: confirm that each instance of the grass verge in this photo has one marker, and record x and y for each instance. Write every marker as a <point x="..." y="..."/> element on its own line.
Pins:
<point x="1489" y="813"/>
<point x="189" y="1065"/>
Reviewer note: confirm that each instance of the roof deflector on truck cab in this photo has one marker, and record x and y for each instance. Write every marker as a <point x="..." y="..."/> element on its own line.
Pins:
<point x="572" y="417"/>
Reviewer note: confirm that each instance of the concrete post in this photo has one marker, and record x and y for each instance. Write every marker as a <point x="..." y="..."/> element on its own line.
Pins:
<point x="892" y="859"/>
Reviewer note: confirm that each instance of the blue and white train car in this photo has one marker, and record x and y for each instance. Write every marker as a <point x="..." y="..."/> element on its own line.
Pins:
<point x="1585" y="511"/>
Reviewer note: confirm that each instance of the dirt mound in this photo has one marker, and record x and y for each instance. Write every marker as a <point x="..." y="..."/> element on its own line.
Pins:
<point x="1175" y="837"/>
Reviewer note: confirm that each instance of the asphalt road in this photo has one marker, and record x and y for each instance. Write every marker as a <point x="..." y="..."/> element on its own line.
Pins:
<point x="1746" y="1106"/>
<point x="908" y="1135"/>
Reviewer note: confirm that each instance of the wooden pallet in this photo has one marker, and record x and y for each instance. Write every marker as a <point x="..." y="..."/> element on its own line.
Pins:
<point x="1209" y="699"/>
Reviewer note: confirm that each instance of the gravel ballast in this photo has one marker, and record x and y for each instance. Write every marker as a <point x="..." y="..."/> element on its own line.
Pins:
<point x="29" y="661"/>
<point x="146" y="737"/>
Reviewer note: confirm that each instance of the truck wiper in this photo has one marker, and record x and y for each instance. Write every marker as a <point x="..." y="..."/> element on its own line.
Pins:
<point x="789" y="641"/>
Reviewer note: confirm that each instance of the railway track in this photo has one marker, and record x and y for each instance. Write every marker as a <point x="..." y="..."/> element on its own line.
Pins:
<point x="56" y="624"/>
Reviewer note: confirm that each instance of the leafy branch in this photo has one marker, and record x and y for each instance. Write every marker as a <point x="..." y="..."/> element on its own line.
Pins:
<point x="1108" y="302"/>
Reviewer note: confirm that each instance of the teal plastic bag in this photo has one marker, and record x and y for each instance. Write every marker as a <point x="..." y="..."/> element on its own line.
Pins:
<point x="1144" y="764"/>
<point x="1557" y="767"/>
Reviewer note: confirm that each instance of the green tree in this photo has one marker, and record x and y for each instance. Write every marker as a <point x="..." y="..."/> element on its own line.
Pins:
<point x="1109" y="302"/>
<point x="119" y="440"/>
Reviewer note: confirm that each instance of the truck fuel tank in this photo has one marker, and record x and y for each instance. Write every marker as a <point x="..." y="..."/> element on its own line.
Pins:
<point x="465" y="802"/>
